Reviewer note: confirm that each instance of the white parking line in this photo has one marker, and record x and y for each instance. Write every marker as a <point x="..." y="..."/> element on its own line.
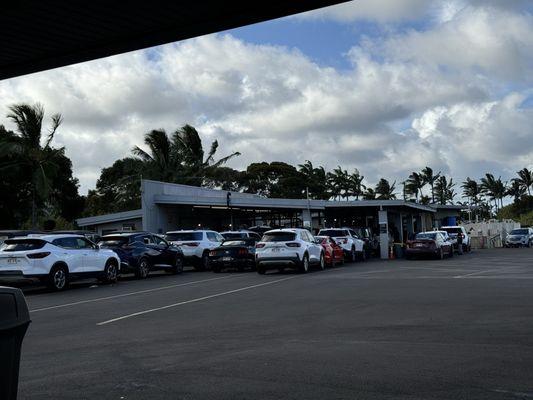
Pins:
<point x="477" y="273"/>
<point x="129" y="294"/>
<point x="193" y="300"/>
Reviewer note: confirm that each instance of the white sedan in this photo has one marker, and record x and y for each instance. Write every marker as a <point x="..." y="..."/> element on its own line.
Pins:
<point x="57" y="259"/>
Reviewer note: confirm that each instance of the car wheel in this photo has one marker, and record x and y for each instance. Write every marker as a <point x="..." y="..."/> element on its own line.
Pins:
<point x="216" y="269"/>
<point x="451" y="251"/>
<point x="322" y="262"/>
<point x="281" y="270"/>
<point x="143" y="269"/>
<point x="178" y="266"/>
<point x="260" y="270"/>
<point x="441" y="254"/>
<point x="363" y="255"/>
<point x="408" y="256"/>
<point x="58" y="278"/>
<point x="110" y="274"/>
<point x="304" y="265"/>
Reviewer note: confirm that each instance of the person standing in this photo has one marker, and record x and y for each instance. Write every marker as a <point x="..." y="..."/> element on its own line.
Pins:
<point x="460" y="243"/>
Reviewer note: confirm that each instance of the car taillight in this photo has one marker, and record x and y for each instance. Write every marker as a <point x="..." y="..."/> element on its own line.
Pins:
<point x="259" y="245"/>
<point x="39" y="255"/>
<point x="243" y="252"/>
<point x="293" y="244"/>
<point x="192" y="244"/>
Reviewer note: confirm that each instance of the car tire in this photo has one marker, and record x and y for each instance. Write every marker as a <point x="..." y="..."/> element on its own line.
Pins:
<point x="110" y="274"/>
<point x="216" y="269"/>
<point x="260" y="270"/>
<point x="281" y="270"/>
<point x="58" y="278"/>
<point x="143" y="269"/>
<point x="178" y="266"/>
<point x="440" y="255"/>
<point x="304" y="264"/>
<point x="322" y="262"/>
<point x="353" y="255"/>
<point x="362" y="257"/>
<point x="408" y="257"/>
<point x="451" y="252"/>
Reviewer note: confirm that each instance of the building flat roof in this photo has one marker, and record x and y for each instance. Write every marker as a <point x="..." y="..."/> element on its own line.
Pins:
<point x="102" y="219"/>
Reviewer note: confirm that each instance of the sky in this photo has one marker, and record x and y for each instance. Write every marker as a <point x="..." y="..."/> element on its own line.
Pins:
<point x="384" y="86"/>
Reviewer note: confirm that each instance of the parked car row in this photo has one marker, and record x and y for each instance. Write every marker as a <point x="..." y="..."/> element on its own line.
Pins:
<point x="439" y="244"/>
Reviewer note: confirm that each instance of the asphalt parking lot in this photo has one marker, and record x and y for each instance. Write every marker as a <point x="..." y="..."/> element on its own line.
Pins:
<point x="459" y="328"/>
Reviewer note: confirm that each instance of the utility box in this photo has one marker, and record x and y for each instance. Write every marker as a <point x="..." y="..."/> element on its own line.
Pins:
<point x="14" y="321"/>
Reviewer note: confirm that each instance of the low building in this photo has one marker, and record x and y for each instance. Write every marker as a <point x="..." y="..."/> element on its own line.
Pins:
<point x="167" y="206"/>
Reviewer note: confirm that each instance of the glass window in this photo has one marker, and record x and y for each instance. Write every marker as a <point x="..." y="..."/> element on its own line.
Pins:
<point x="279" y="237"/>
<point x="332" y="232"/>
<point x="431" y="236"/>
<point x="519" y="232"/>
<point x="219" y="237"/>
<point x="211" y="236"/>
<point x="113" y="241"/>
<point x="66" y="243"/>
<point x="147" y="239"/>
<point x="183" y="236"/>
<point x="234" y="235"/>
<point x="22" y="244"/>
<point x="160" y="241"/>
<point x="83" y="243"/>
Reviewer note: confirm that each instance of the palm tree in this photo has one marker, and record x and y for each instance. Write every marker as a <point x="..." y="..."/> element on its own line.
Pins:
<point x="338" y="182"/>
<point x="384" y="190"/>
<point x="40" y="159"/>
<point x="493" y="188"/>
<point x="355" y="184"/>
<point x="430" y="178"/>
<point x="471" y="190"/>
<point x="414" y="184"/>
<point x="161" y="158"/>
<point x="369" y="194"/>
<point x="525" y="177"/>
<point x="316" y="180"/>
<point x="516" y="189"/>
<point x="444" y="190"/>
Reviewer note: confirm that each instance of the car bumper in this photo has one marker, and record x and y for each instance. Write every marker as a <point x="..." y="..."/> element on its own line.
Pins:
<point x="421" y="252"/>
<point x="17" y="275"/>
<point x="266" y="262"/>
<point x="234" y="262"/>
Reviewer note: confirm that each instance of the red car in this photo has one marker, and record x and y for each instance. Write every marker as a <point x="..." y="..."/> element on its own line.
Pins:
<point x="429" y="244"/>
<point x="333" y="253"/>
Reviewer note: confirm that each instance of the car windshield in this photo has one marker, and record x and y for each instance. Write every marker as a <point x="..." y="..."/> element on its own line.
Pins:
<point x="22" y="244"/>
<point x="183" y="236"/>
<point x="234" y="243"/>
<point x="431" y="236"/>
<point x="519" y="232"/>
<point x="333" y="232"/>
<point x="452" y="230"/>
<point x="278" y="237"/>
<point x="234" y="235"/>
<point x="112" y="241"/>
<point x="322" y="239"/>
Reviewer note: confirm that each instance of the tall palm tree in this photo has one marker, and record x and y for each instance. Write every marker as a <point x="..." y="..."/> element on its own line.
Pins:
<point x="430" y="178"/>
<point x="338" y="182"/>
<point x="355" y="184"/>
<point x="471" y="190"/>
<point x="525" y="177"/>
<point x="316" y="180"/>
<point x="33" y="150"/>
<point x="444" y="191"/>
<point x="414" y="184"/>
<point x="516" y="189"/>
<point x="369" y="194"/>
<point x="384" y="190"/>
<point x="161" y="158"/>
<point x="493" y="188"/>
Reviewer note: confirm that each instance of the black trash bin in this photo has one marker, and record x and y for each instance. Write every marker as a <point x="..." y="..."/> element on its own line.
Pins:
<point x="14" y="321"/>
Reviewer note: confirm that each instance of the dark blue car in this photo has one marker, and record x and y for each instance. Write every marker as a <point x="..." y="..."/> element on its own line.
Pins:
<point x="142" y="252"/>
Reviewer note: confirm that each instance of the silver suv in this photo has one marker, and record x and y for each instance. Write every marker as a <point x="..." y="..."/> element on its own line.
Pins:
<point x="195" y="245"/>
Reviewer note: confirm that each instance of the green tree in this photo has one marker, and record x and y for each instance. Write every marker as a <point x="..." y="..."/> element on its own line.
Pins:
<point x="338" y="183"/>
<point x="444" y="190"/>
<point x="414" y="184"/>
<point x="315" y="180"/>
<point x="525" y="178"/>
<point x="516" y="189"/>
<point x="430" y="178"/>
<point x="30" y="152"/>
<point x="384" y="190"/>
<point x="355" y="186"/>
<point x="369" y="194"/>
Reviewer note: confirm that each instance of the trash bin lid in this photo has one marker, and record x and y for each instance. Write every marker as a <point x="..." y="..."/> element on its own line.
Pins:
<point x="13" y="308"/>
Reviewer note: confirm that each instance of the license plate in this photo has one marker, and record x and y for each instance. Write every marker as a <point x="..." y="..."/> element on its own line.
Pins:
<point x="276" y="250"/>
<point x="419" y="245"/>
<point x="226" y="258"/>
<point x="12" y="260"/>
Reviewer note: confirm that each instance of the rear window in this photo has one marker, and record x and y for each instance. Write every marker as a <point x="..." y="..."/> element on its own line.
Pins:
<point x="183" y="236"/>
<point x="519" y="232"/>
<point x="452" y="230"/>
<point x="431" y="236"/>
<point x="279" y="237"/>
<point x="112" y="241"/>
<point x="236" y="235"/>
<point x="22" y="244"/>
<point x="332" y="232"/>
<point x="234" y="243"/>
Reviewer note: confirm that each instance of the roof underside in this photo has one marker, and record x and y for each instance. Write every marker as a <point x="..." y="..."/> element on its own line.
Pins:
<point x="39" y="35"/>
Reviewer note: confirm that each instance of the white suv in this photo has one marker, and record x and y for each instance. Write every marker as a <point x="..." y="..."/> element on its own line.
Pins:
<point x="295" y="248"/>
<point x="453" y="231"/>
<point x="346" y="238"/>
<point x="196" y="245"/>
<point x="57" y="259"/>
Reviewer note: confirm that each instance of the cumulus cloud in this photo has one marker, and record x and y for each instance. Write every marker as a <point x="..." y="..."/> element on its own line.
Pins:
<point x="438" y="97"/>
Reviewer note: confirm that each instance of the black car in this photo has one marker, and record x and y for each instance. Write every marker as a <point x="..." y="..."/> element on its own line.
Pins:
<point x="238" y="254"/>
<point x="142" y="252"/>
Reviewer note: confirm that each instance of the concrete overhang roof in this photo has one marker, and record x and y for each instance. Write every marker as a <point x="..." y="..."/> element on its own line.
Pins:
<point x="102" y="219"/>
